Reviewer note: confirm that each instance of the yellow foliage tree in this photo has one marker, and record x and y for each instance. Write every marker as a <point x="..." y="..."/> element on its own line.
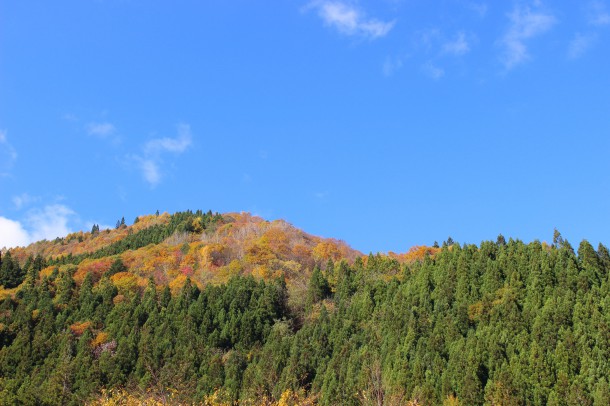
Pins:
<point x="278" y="242"/>
<point x="451" y="400"/>
<point x="100" y="338"/>
<point x="235" y="268"/>
<point x="79" y="328"/>
<point x="326" y="250"/>
<point x="214" y="255"/>
<point x="259" y="252"/>
<point x="125" y="282"/>
<point x="261" y="271"/>
<point x="177" y="284"/>
<point x="122" y="397"/>
<point x="416" y="253"/>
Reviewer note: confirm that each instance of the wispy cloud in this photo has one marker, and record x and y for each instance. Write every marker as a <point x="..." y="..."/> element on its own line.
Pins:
<point x="391" y="65"/>
<point x="525" y="24"/>
<point x="23" y="200"/>
<point x="349" y="20"/>
<point x="580" y="44"/>
<point x="436" y="47"/>
<point x="428" y="40"/>
<point x="150" y="170"/>
<point x="479" y="8"/>
<point x="458" y="46"/>
<point x="8" y="155"/>
<point x="151" y="160"/>
<point x="597" y="17"/>
<point x="102" y="130"/>
<point x="47" y="223"/>
<point x="7" y="147"/>
<point x="432" y="70"/>
<point x="176" y="145"/>
<point x="69" y="117"/>
<point x="598" y="13"/>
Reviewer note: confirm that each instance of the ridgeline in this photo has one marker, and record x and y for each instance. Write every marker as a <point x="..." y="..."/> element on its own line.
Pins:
<point x="203" y="308"/>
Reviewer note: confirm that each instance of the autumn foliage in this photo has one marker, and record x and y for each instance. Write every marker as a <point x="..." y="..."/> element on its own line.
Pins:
<point x="198" y="308"/>
<point x="204" y="250"/>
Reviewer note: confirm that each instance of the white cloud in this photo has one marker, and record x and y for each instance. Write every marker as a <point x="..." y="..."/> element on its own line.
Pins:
<point x="598" y="14"/>
<point x="435" y="41"/>
<point x="437" y="46"/>
<point x="525" y="24"/>
<point x="8" y="155"/>
<point x="101" y="130"/>
<point x="428" y="39"/>
<point x="12" y="233"/>
<point x="47" y="223"/>
<point x="459" y="46"/>
<point x="433" y="71"/>
<point x="151" y="160"/>
<point x="580" y="44"/>
<point x="391" y="65"/>
<point x="23" y="200"/>
<point x="177" y="145"/>
<point x="150" y="171"/>
<point x="350" y="21"/>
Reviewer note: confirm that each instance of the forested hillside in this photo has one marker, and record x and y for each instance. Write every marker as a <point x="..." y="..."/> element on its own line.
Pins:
<point x="204" y="247"/>
<point x="223" y="309"/>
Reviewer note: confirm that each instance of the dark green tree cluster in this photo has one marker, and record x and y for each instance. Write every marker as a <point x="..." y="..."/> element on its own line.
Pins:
<point x="12" y="274"/>
<point x="120" y="223"/>
<point x="195" y="342"/>
<point x="503" y="323"/>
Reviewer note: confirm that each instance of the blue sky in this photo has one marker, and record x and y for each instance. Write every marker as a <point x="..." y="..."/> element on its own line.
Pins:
<point x="384" y="123"/>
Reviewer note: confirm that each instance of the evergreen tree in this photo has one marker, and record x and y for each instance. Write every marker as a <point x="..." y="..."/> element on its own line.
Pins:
<point x="318" y="288"/>
<point x="11" y="275"/>
<point x="116" y="267"/>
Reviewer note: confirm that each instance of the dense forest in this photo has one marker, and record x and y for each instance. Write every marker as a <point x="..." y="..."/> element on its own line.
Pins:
<point x="501" y="323"/>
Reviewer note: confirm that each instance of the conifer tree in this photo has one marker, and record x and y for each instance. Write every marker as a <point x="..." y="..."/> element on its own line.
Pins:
<point x="318" y="288"/>
<point x="11" y="275"/>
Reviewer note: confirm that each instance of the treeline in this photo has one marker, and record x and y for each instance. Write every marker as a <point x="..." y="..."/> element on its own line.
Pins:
<point x="503" y="323"/>
<point x="187" y="221"/>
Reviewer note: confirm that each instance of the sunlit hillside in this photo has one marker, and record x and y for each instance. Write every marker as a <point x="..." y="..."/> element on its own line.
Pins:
<point x="203" y="308"/>
<point x="205" y="247"/>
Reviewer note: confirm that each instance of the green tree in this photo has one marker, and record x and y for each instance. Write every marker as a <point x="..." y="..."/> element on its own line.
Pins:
<point x="11" y="274"/>
<point x="318" y="288"/>
<point x="116" y="267"/>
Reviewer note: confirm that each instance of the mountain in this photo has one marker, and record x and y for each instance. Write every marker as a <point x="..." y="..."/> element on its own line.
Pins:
<point x="205" y="247"/>
<point x="203" y="308"/>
